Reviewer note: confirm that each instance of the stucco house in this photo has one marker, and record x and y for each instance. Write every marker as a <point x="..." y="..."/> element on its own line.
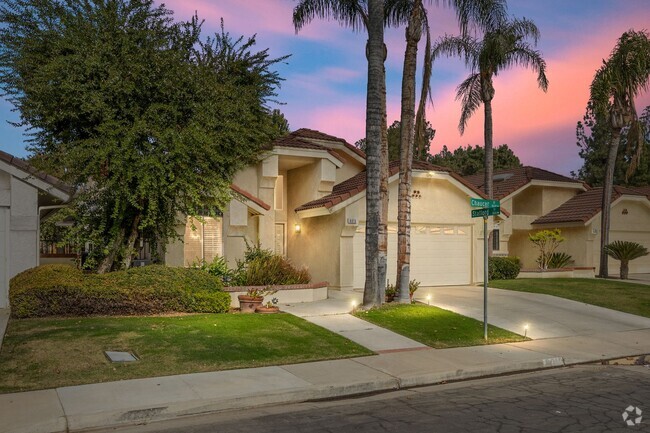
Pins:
<point x="26" y="195"/>
<point x="305" y="200"/>
<point x="539" y="199"/>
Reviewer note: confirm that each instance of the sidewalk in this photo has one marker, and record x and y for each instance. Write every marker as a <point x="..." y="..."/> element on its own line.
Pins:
<point x="401" y="364"/>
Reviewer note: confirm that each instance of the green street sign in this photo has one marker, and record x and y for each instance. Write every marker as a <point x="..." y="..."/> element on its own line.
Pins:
<point x="489" y="211"/>
<point x="480" y="202"/>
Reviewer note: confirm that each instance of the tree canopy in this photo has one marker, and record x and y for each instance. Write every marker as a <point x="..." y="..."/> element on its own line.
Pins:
<point x="146" y="118"/>
<point x="470" y="160"/>
<point x="394" y="140"/>
<point x="593" y="137"/>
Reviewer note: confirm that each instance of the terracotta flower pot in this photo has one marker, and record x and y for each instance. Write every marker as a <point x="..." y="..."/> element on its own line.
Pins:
<point x="263" y="309"/>
<point x="248" y="304"/>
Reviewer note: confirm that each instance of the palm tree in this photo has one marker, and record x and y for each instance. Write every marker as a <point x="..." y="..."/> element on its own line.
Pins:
<point x="414" y="14"/>
<point x="625" y="251"/>
<point x="375" y="109"/>
<point x="355" y="14"/>
<point x="503" y="46"/>
<point x="615" y="86"/>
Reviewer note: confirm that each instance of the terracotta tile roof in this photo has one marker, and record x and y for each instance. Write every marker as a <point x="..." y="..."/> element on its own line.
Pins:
<point x="357" y="184"/>
<point x="510" y="180"/>
<point x="583" y="206"/>
<point x="250" y="196"/>
<point x="645" y="190"/>
<point x="24" y="166"/>
<point x="302" y="139"/>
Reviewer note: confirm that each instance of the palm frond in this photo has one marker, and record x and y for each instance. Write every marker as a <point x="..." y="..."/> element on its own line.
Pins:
<point x="348" y="13"/>
<point x="524" y="28"/>
<point x="465" y="47"/>
<point x="482" y="15"/>
<point x="524" y="55"/>
<point x="469" y="93"/>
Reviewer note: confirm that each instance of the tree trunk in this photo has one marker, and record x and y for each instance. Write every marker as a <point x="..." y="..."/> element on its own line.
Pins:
<point x="383" y="193"/>
<point x="407" y="136"/>
<point x="374" y="116"/>
<point x="625" y="268"/>
<point x="129" y="251"/>
<point x="606" y="202"/>
<point x="106" y="264"/>
<point x="489" y="159"/>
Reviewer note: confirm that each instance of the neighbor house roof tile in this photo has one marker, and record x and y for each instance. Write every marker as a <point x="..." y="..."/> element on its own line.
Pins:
<point x="26" y="167"/>
<point x="583" y="206"/>
<point x="301" y="139"/>
<point x="510" y="180"/>
<point x="356" y="184"/>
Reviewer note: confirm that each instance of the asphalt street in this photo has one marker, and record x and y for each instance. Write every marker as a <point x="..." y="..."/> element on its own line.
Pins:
<point x="588" y="398"/>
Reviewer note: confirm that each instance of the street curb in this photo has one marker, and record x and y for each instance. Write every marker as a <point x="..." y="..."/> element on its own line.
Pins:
<point x="148" y="414"/>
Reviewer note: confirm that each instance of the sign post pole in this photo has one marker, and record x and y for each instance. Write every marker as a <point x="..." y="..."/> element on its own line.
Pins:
<point x="485" y="278"/>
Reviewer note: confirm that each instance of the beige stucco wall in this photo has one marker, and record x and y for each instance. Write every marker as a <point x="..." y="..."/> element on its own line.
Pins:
<point x="441" y="202"/>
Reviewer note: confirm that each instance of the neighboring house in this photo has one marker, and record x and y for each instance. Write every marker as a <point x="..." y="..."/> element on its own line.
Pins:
<point x="25" y="196"/>
<point x="538" y="199"/>
<point x="306" y="200"/>
<point x="580" y="217"/>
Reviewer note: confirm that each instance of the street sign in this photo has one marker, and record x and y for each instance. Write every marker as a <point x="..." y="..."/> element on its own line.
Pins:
<point x="480" y="202"/>
<point x="488" y="211"/>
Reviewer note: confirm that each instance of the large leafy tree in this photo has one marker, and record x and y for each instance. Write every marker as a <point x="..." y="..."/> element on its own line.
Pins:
<point x="593" y="140"/>
<point x="394" y="138"/>
<point x="471" y="160"/>
<point x="147" y="119"/>
<point x="624" y="75"/>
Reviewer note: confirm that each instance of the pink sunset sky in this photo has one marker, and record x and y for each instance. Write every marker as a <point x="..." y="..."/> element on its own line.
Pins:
<point x="325" y="77"/>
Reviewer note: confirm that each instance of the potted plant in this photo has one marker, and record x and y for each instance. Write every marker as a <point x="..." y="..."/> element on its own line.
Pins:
<point x="253" y="298"/>
<point x="269" y="308"/>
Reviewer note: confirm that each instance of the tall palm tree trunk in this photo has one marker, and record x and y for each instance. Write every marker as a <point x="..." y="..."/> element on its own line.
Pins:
<point x="407" y="136"/>
<point x="374" y="116"/>
<point x="383" y="193"/>
<point x="606" y="206"/>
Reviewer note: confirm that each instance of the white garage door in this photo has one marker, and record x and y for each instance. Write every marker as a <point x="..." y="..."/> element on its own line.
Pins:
<point x="440" y="255"/>
<point x="637" y="266"/>
<point x="4" y="268"/>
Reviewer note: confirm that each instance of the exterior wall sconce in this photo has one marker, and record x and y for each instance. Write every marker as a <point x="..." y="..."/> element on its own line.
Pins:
<point x="297" y="228"/>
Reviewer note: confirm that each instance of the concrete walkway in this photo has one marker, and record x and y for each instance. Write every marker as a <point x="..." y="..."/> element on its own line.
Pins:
<point x="146" y="400"/>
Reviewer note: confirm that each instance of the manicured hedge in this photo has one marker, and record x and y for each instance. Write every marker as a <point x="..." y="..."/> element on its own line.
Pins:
<point x="503" y="268"/>
<point x="61" y="290"/>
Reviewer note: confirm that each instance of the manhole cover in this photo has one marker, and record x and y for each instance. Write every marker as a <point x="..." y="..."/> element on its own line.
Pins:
<point x="120" y="356"/>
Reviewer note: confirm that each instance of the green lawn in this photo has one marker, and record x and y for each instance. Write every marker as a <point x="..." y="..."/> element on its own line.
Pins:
<point x="434" y="326"/>
<point x="48" y="353"/>
<point x="617" y="295"/>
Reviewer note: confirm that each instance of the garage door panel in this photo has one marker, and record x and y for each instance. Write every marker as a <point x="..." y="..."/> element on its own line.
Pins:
<point x="440" y="255"/>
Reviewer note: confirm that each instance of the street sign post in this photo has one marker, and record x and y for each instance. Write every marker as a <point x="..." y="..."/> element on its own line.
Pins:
<point x="489" y="208"/>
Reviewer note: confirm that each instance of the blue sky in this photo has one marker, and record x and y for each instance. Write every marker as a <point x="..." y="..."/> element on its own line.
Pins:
<point x="325" y="77"/>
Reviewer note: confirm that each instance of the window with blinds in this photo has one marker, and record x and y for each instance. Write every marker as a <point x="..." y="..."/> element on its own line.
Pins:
<point x="204" y="242"/>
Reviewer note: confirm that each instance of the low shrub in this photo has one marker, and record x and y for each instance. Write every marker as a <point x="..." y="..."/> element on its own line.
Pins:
<point x="217" y="268"/>
<point x="273" y="270"/>
<point x="503" y="268"/>
<point x="558" y="260"/>
<point x="61" y="290"/>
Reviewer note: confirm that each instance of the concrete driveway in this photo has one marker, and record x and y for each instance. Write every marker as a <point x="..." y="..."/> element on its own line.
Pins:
<point x="547" y="316"/>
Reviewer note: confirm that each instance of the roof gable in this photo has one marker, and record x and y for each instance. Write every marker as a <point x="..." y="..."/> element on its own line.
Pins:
<point x="357" y="184"/>
<point x="584" y="206"/>
<point x="38" y="179"/>
<point x="507" y="181"/>
<point x="315" y="140"/>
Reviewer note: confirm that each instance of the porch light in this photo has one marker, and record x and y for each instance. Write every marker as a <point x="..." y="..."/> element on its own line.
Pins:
<point x="298" y="228"/>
